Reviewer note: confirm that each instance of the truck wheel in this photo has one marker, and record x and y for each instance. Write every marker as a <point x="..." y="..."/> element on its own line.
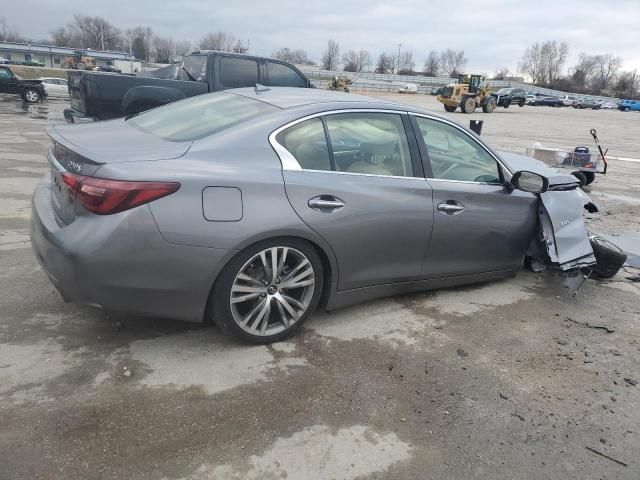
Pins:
<point x="609" y="257"/>
<point x="468" y="105"/>
<point x="590" y="176"/>
<point x="582" y="178"/>
<point x="489" y="106"/>
<point x="31" y="95"/>
<point x="449" y="108"/>
<point x="521" y="104"/>
<point x="507" y="103"/>
<point x="626" y="109"/>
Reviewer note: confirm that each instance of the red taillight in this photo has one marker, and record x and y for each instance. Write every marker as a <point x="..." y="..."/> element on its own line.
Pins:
<point x="105" y="197"/>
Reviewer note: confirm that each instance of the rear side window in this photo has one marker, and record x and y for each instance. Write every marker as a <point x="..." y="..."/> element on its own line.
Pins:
<point x="284" y="76"/>
<point x="238" y="72"/>
<point x="307" y="143"/>
<point x="199" y="116"/>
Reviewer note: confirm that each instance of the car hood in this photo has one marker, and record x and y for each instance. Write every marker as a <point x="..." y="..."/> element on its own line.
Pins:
<point x="517" y="162"/>
<point x="115" y="141"/>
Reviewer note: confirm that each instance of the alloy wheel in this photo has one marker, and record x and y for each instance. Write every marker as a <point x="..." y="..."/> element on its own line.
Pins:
<point x="31" y="96"/>
<point x="272" y="291"/>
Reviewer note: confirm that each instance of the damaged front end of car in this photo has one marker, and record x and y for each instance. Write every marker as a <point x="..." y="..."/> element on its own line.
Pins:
<point x="562" y="241"/>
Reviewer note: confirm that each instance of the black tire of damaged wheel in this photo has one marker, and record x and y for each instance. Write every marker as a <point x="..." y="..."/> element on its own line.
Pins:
<point x="590" y="176"/>
<point x="449" y="108"/>
<point x="582" y="178"/>
<point x="609" y="258"/>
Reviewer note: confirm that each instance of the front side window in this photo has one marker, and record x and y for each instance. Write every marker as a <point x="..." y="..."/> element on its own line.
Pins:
<point x="371" y="143"/>
<point x="199" y="116"/>
<point x="454" y="155"/>
<point x="306" y="141"/>
<point x="238" y="72"/>
<point x="284" y="76"/>
<point x="5" y="75"/>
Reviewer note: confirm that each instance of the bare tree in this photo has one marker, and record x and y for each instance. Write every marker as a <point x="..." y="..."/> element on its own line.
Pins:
<point x="582" y="74"/>
<point x="386" y="63"/>
<point x="221" y="41"/>
<point x="532" y="63"/>
<point x="606" y="67"/>
<point x="356" y="61"/>
<point x="239" y="47"/>
<point x="452" y="61"/>
<point x="96" y="32"/>
<point x="502" y="73"/>
<point x="182" y="47"/>
<point x="164" y="49"/>
<point x="65" y="37"/>
<point x="406" y="63"/>
<point x="432" y="64"/>
<point x="628" y="85"/>
<point x="140" y="40"/>
<point x="299" y="57"/>
<point x="553" y="56"/>
<point x="331" y="56"/>
<point x="7" y="33"/>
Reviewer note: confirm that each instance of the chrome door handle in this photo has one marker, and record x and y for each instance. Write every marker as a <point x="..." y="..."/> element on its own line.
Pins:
<point x="326" y="203"/>
<point x="450" y="207"/>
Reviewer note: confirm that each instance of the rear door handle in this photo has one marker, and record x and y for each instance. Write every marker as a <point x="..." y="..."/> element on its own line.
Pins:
<point x="326" y="203"/>
<point x="450" y="207"/>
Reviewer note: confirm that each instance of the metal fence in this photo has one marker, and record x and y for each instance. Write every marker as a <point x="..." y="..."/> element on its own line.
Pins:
<point x="382" y="82"/>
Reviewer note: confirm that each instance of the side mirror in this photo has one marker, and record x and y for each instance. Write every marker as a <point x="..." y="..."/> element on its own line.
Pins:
<point x="529" y="182"/>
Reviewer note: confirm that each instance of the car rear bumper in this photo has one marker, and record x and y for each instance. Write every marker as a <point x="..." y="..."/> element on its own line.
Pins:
<point x="121" y="262"/>
<point x="74" y="116"/>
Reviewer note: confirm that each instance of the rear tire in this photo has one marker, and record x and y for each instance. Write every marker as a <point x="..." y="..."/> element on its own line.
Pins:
<point x="507" y="103"/>
<point x="31" y="95"/>
<point x="450" y="108"/>
<point x="609" y="257"/>
<point x="468" y="105"/>
<point x="582" y="178"/>
<point x="521" y="104"/>
<point x="247" y="308"/>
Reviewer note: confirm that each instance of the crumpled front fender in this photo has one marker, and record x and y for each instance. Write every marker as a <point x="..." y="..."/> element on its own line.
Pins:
<point x="563" y="233"/>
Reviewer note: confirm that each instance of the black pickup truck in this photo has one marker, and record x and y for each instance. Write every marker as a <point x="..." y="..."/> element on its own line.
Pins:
<point x="101" y="96"/>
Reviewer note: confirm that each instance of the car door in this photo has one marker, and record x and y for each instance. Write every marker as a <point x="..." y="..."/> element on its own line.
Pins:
<point x="480" y="225"/>
<point x="8" y="82"/>
<point x="355" y="178"/>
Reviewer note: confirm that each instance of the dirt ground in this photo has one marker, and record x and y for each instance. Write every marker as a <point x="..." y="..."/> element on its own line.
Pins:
<point x="512" y="379"/>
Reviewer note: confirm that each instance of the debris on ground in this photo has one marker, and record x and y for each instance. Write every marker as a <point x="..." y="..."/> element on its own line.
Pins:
<point x="588" y="325"/>
<point x="606" y="456"/>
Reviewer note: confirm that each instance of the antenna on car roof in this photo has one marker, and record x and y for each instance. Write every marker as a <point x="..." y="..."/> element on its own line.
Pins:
<point x="261" y="88"/>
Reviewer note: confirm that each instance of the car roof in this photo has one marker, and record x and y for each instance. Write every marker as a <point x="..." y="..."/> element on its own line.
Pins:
<point x="291" y="97"/>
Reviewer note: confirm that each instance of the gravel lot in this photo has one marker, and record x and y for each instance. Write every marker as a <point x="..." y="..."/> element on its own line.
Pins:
<point x="512" y="379"/>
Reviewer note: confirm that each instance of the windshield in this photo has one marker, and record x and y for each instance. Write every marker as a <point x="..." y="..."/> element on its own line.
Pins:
<point x="199" y="116"/>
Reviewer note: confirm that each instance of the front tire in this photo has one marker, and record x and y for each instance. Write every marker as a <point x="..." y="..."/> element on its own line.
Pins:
<point x="268" y="291"/>
<point x="590" y="176"/>
<point x="449" y="108"/>
<point x="468" y="105"/>
<point x="31" y="95"/>
<point x="609" y="257"/>
<point x="582" y="178"/>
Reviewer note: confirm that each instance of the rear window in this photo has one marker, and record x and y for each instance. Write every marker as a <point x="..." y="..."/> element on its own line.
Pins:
<point x="284" y="76"/>
<point x="199" y="116"/>
<point x="238" y="72"/>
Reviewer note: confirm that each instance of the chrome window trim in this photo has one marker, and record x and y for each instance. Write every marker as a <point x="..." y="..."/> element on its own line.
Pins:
<point x="455" y="125"/>
<point x="290" y="163"/>
<point x="362" y="174"/>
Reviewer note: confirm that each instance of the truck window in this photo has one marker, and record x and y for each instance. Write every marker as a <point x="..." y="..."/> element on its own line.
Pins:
<point x="196" y="66"/>
<point x="284" y="76"/>
<point x="5" y="75"/>
<point x="238" y="72"/>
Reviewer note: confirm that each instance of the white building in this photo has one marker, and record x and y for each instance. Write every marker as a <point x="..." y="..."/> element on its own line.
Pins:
<point x="52" y="56"/>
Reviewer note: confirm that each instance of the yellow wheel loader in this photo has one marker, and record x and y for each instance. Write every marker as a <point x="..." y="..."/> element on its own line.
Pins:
<point x="468" y="94"/>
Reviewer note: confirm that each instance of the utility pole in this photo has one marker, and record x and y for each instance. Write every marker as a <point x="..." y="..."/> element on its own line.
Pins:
<point x="398" y="69"/>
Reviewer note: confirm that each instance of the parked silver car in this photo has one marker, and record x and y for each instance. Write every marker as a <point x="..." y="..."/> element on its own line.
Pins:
<point x="252" y="206"/>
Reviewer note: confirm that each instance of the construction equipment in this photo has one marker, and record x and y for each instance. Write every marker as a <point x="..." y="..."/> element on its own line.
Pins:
<point x="79" y="61"/>
<point x="340" y="84"/>
<point x="468" y="94"/>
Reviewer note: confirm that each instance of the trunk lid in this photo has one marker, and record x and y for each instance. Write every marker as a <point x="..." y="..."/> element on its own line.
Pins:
<point x="83" y="149"/>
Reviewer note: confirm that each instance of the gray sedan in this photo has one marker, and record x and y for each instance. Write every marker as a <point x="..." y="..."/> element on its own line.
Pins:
<point x="252" y="207"/>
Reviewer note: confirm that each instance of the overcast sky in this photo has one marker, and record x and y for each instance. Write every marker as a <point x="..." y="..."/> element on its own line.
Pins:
<point x="493" y="33"/>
